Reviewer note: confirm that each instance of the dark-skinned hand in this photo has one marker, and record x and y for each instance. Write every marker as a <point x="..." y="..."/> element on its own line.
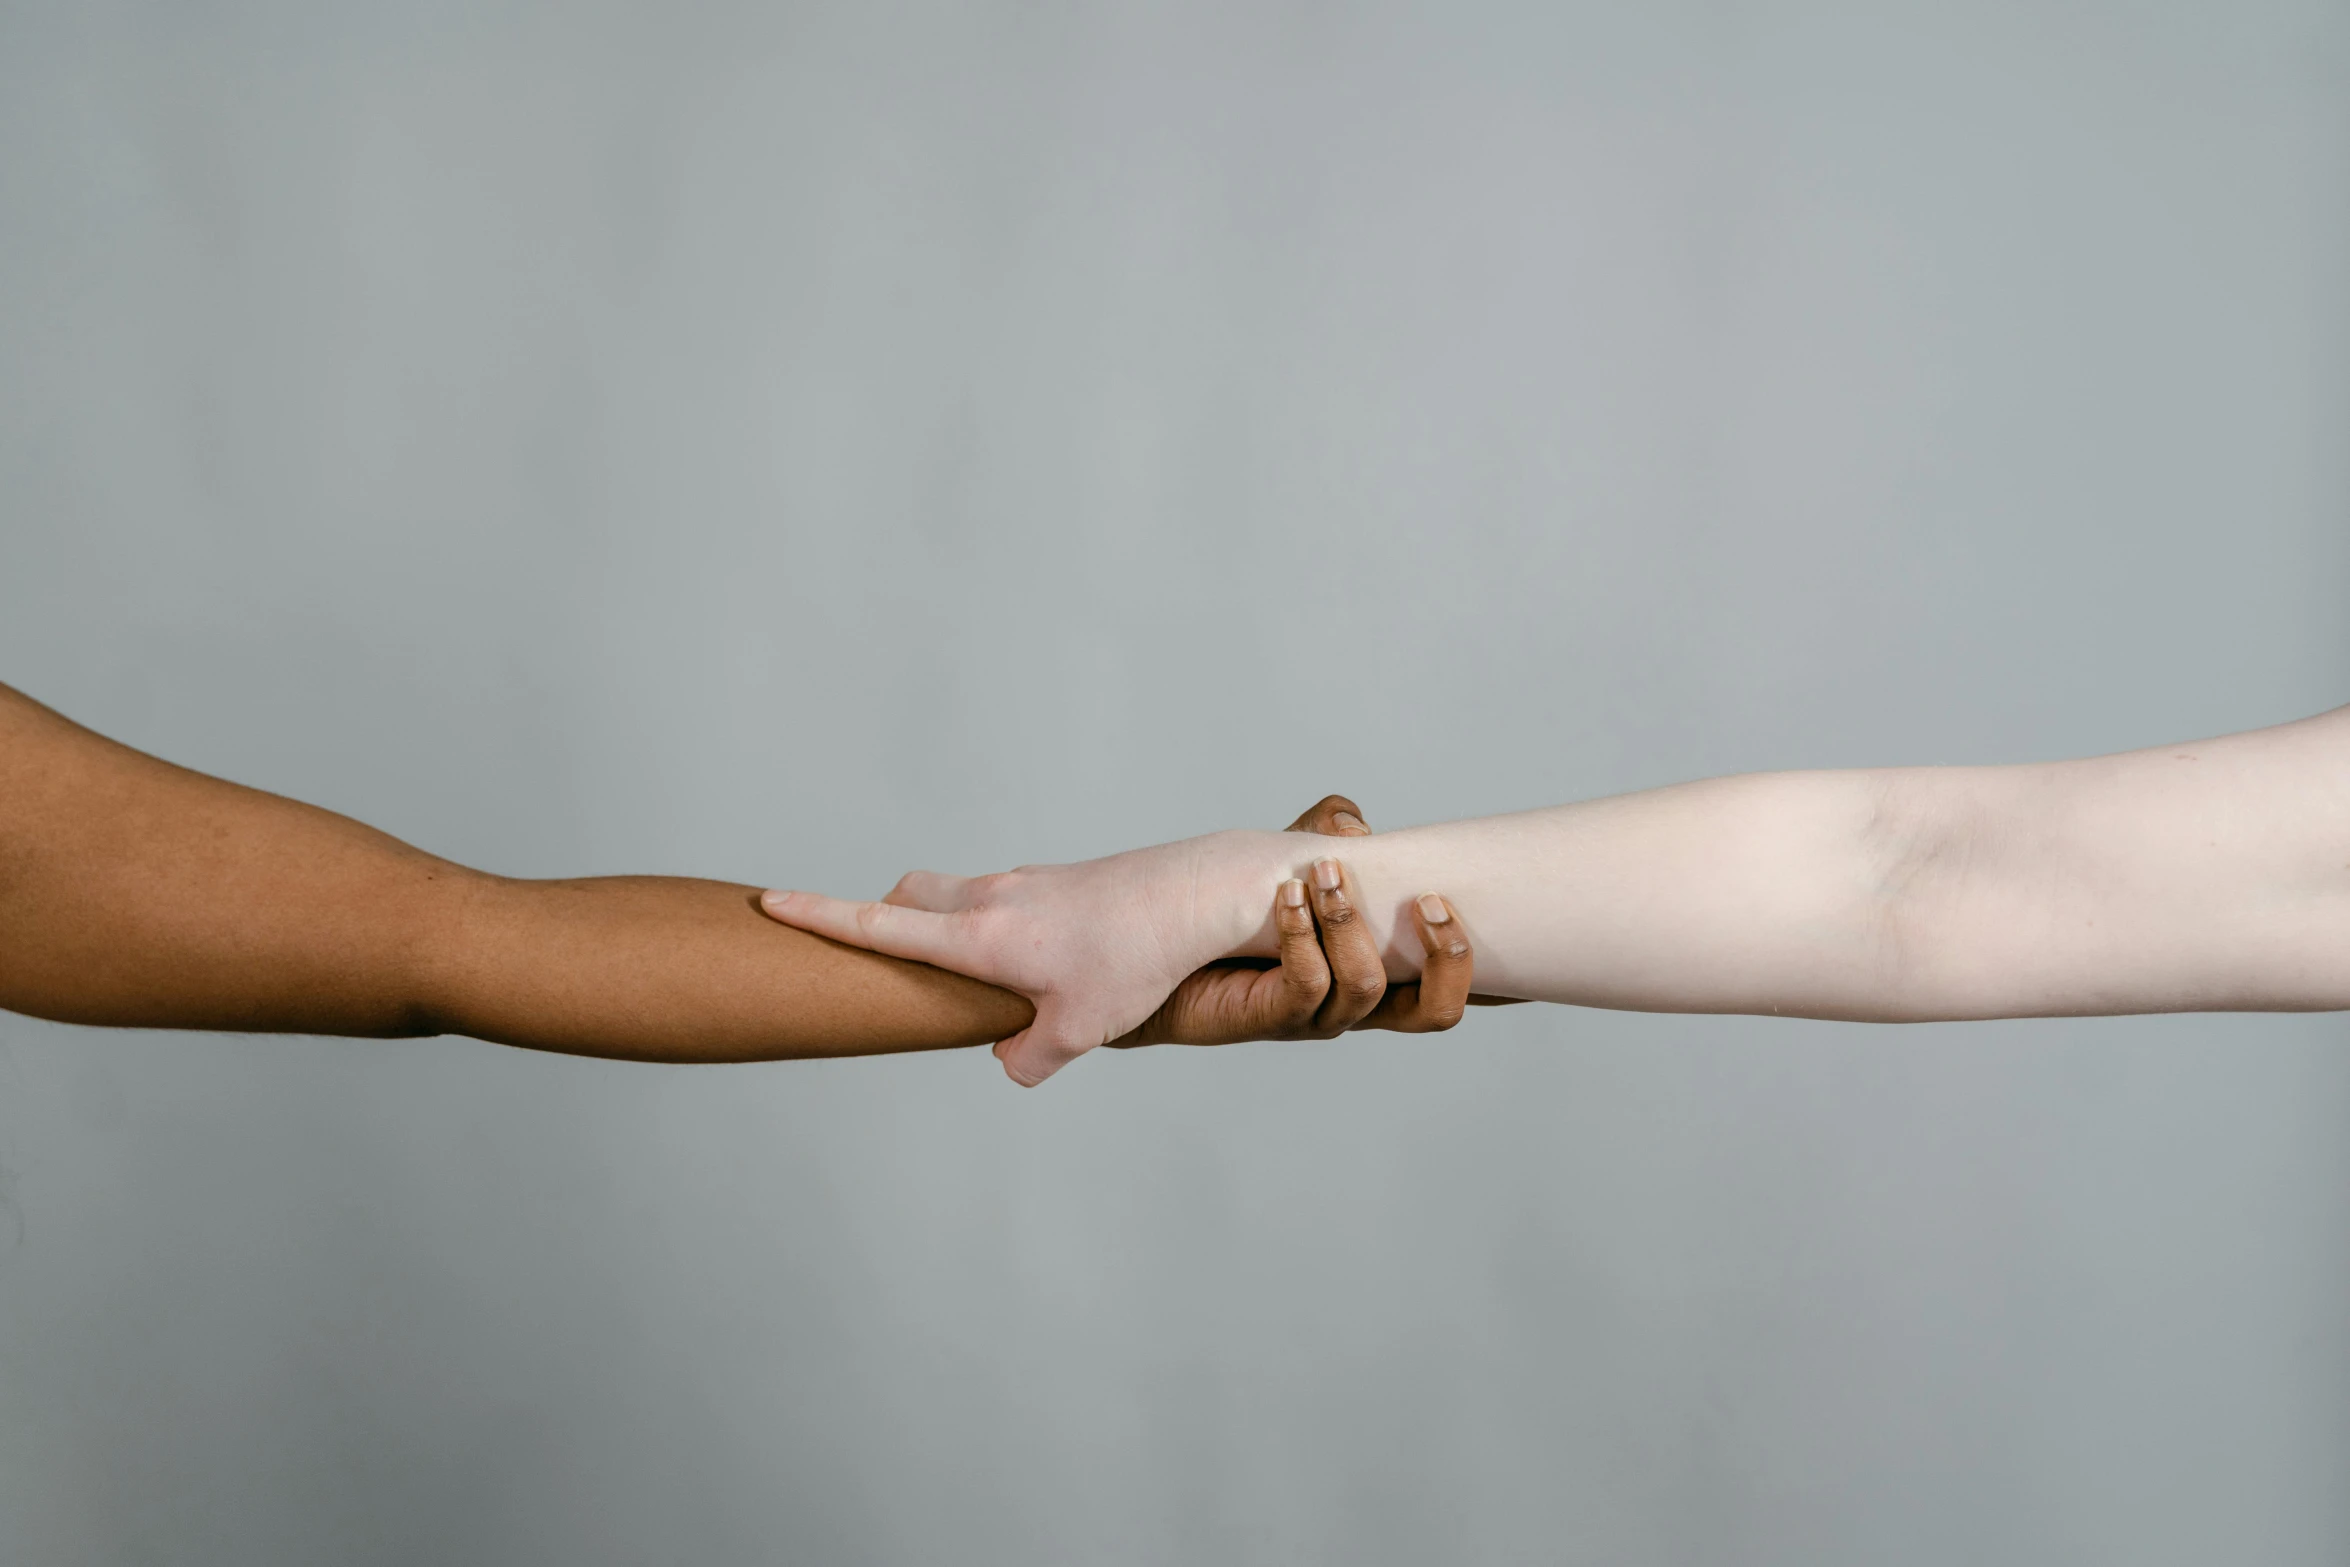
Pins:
<point x="1329" y="977"/>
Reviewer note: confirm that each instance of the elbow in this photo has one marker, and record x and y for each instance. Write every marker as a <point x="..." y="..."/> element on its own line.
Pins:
<point x="1924" y="853"/>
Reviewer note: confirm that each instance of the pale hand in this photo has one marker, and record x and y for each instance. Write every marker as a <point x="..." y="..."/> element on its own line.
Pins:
<point x="1327" y="977"/>
<point x="1096" y="946"/>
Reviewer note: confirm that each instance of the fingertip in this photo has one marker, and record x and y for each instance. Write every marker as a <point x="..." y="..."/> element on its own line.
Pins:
<point x="1326" y="816"/>
<point x="775" y="899"/>
<point x="1439" y="933"/>
<point x="1024" y="1072"/>
<point x="1015" y="1053"/>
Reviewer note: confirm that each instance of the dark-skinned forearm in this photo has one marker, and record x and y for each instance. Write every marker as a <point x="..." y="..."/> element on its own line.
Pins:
<point x="136" y="893"/>
<point x="663" y="968"/>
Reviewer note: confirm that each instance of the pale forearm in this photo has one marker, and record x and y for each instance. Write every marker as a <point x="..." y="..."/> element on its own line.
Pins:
<point x="2211" y="875"/>
<point x="1761" y="893"/>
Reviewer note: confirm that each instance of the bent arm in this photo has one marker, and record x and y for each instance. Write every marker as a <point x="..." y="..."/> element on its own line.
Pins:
<point x="140" y="894"/>
<point x="2207" y="876"/>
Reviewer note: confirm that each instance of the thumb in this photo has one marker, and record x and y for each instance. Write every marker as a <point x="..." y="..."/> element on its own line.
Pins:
<point x="1042" y="1048"/>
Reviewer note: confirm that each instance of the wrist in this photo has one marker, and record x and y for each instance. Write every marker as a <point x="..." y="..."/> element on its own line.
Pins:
<point x="1237" y="873"/>
<point x="1236" y="898"/>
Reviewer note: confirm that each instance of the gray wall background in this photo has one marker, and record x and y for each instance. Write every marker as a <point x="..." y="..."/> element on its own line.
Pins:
<point x="796" y="443"/>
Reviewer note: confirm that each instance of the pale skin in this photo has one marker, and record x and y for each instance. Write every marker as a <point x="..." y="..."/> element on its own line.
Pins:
<point x="140" y="894"/>
<point x="2207" y="876"/>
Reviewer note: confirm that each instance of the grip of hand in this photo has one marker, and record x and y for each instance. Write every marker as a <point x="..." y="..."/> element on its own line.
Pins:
<point x="1105" y="952"/>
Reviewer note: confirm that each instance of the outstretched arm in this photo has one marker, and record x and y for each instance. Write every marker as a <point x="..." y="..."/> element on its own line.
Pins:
<point x="137" y="893"/>
<point x="2207" y="876"/>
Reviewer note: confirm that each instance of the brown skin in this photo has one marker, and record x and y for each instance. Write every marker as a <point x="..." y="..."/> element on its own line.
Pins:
<point x="139" y="894"/>
<point x="1304" y="997"/>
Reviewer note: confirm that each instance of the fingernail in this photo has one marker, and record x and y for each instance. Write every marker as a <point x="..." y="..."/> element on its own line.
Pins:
<point x="774" y="898"/>
<point x="1432" y="909"/>
<point x="1346" y="821"/>
<point x="1293" y="894"/>
<point x="1326" y="875"/>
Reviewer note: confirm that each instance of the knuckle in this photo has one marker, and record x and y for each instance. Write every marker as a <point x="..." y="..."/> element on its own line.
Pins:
<point x="1336" y="911"/>
<point x="1363" y="989"/>
<point x="1443" y="1016"/>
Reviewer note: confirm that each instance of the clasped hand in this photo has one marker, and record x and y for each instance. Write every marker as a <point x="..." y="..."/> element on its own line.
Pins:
<point x="1131" y="950"/>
